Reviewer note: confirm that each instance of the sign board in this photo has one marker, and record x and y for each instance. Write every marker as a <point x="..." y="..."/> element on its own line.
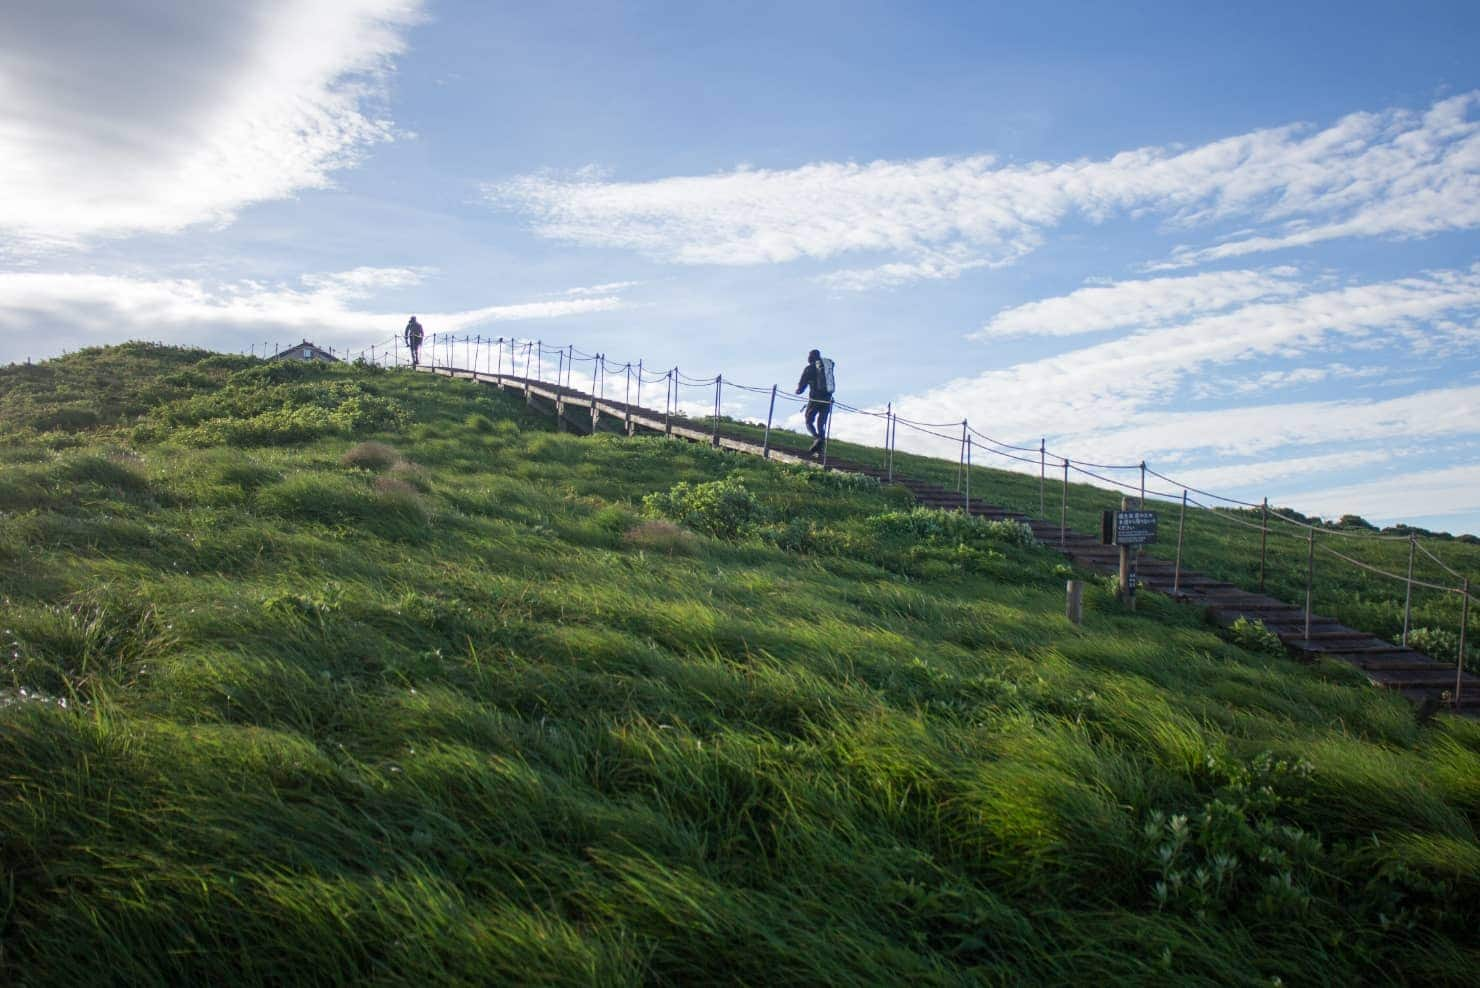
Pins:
<point x="1135" y="527"/>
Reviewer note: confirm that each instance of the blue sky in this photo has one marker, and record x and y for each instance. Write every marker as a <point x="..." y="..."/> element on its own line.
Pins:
<point x="1238" y="243"/>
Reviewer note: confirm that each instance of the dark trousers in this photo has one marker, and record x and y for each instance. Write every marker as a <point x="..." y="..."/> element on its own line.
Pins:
<point x="816" y="416"/>
<point x="415" y="345"/>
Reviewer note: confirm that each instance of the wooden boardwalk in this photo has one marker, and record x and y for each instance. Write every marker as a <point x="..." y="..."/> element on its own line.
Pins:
<point x="1425" y="681"/>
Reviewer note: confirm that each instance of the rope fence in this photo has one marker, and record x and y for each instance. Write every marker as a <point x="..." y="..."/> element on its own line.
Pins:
<point x="632" y="383"/>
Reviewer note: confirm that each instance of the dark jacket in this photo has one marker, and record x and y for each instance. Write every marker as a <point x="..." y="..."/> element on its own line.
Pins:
<point x="413" y="332"/>
<point x="814" y="379"/>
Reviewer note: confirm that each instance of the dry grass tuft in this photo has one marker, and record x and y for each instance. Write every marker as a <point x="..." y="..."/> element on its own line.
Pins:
<point x="661" y="537"/>
<point x="371" y="456"/>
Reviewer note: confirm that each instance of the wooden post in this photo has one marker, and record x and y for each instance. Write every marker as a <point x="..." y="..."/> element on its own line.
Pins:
<point x="1127" y="567"/>
<point x="1464" y="626"/>
<point x="1143" y="485"/>
<point x="1177" y="572"/>
<point x="396" y="350"/>
<point x="500" y="372"/>
<point x="888" y="439"/>
<point x="667" y="403"/>
<point x="559" y="370"/>
<point x="1263" y="542"/>
<point x="1408" y="596"/>
<point x="539" y="360"/>
<point x="1310" y="576"/>
<point x="639" y="384"/>
<point x="627" y="398"/>
<point x="1064" y="505"/>
<point x="1074" y="601"/>
<point x="770" y="413"/>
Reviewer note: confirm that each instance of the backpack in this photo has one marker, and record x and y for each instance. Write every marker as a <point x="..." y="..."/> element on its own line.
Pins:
<point x="825" y="371"/>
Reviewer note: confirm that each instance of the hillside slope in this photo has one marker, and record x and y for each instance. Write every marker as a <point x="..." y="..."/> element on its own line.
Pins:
<point x="330" y="674"/>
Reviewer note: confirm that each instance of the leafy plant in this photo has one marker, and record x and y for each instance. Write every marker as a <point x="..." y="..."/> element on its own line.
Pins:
<point x="1255" y="637"/>
<point x="722" y="508"/>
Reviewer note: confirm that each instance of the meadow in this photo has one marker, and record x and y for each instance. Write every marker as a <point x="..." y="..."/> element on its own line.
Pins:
<point x="344" y="675"/>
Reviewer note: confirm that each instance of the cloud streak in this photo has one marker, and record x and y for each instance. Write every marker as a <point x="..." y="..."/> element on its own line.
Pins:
<point x="80" y="310"/>
<point x="129" y="117"/>
<point x="1392" y="173"/>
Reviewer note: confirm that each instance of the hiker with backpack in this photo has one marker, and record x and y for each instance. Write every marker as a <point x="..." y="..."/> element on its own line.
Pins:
<point x="414" y="336"/>
<point x="817" y="380"/>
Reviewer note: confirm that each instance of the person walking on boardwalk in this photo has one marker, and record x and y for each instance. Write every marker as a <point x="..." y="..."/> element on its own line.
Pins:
<point x="414" y="336"/>
<point x="817" y="381"/>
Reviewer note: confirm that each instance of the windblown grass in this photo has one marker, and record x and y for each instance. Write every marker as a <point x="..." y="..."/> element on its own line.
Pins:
<point x="442" y="724"/>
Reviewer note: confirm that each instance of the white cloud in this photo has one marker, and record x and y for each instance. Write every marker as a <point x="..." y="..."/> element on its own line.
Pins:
<point x="1422" y="493"/>
<point x="1126" y="382"/>
<point x="62" y="310"/>
<point x="1396" y="173"/>
<point x="1138" y="304"/>
<point x="1240" y="476"/>
<point x="131" y="116"/>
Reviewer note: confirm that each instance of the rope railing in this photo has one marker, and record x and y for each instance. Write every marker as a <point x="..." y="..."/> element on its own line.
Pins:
<point x="526" y="359"/>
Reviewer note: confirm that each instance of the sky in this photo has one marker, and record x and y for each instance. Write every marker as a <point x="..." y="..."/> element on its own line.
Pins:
<point x="1241" y="245"/>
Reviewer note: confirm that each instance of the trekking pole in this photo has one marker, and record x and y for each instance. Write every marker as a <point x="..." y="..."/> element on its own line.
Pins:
<point x="1408" y="596"/>
<point x="766" y="442"/>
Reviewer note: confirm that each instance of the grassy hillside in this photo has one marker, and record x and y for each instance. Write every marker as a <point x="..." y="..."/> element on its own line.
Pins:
<point x="333" y="675"/>
<point x="1226" y="544"/>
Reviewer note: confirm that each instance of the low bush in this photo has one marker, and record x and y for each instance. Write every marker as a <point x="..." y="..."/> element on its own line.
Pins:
<point x="1443" y="645"/>
<point x="722" y="508"/>
<point x="1255" y="637"/>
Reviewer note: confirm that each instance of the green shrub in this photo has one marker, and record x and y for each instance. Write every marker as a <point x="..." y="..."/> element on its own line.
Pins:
<point x="722" y="508"/>
<point x="479" y="423"/>
<point x="1443" y="645"/>
<point x="1255" y="637"/>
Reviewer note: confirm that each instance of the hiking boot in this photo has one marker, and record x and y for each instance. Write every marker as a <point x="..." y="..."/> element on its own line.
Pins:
<point x="815" y="448"/>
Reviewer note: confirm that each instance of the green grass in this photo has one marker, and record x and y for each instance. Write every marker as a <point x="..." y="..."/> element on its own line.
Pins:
<point x="1225" y="543"/>
<point x="303" y="710"/>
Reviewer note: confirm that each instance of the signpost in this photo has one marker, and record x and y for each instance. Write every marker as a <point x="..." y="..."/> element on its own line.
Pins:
<point x="1128" y="529"/>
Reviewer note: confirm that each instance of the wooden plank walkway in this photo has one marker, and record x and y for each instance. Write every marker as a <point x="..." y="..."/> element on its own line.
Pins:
<point x="1423" y="680"/>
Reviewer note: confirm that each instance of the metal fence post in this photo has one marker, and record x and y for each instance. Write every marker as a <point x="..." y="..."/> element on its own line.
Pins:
<point x="893" y="438"/>
<point x="639" y="384"/>
<point x="559" y="369"/>
<point x="1177" y="570"/>
<point x="1464" y="625"/>
<point x="500" y="348"/>
<point x="1263" y="542"/>
<point x="961" y="461"/>
<point x="1310" y="577"/>
<point x="1042" y="472"/>
<point x="667" y="403"/>
<point x="1143" y="485"/>
<point x="1064" y="505"/>
<point x="888" y="420"/>
<point x="1408" y="596"/>
<point x="770" y="413"/>
<point x="719" y="383"/>
<point x="966" y="501"/>
<point x="627" y="398"/>
<point x="832" y="406"/>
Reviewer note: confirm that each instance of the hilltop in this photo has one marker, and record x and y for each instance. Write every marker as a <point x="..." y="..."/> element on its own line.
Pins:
<point x="320" y="674"/>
